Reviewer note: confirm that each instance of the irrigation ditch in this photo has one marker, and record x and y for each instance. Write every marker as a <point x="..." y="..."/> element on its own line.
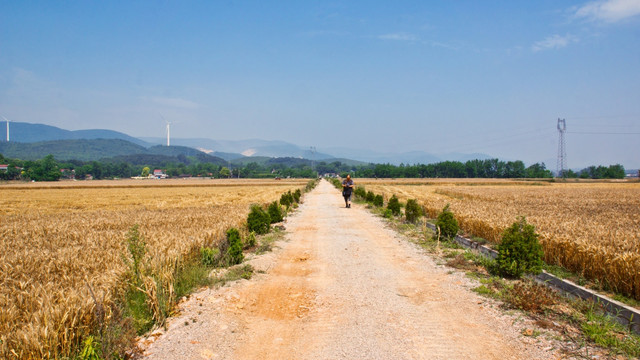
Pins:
<point x="623" y="314"/>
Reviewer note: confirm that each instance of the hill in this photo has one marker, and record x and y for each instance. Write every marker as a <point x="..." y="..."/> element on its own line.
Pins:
<point x="31" y="133"/>
<point x="111" y="150"/>
<point x="85" y="150"/>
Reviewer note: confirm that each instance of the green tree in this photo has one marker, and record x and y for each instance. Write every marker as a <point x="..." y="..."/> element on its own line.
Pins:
<point x="145" y="171"/>
<point x="225" y="172"/>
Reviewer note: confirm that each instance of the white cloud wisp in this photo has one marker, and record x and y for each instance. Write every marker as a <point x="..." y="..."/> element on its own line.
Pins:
<point x="553" y="42"/>
<point x="609" y="11"/>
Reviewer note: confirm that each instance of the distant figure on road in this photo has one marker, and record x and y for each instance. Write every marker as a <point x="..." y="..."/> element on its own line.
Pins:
<point x="347" y="189"/>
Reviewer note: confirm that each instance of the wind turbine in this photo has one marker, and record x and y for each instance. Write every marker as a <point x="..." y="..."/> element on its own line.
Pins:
<point x="168" y="130"/>
<point x="168" y="133"/>
<point x="7" y="120"/>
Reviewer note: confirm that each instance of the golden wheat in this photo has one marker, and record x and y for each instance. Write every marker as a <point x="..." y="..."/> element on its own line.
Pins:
<point x="592" y="228"/>
<point x="60" y="242"/>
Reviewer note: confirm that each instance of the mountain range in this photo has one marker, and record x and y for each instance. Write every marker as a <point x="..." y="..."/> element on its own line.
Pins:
<point x="32" y="141"/>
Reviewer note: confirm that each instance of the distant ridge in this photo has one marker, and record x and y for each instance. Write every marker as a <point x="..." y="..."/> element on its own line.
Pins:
<point x="103" y="149"/>
<point x="31" y="133"/>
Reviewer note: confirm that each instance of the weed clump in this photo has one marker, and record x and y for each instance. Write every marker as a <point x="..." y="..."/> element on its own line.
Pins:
<point x="209" y="256"/>
<point x="394" y="205"/>
<point x="251" y="240"/>
<point x="520" y="251"/>
<point x="259" y="220"/>
<point x="275" y="212"/>
<point x="530" y="296"/>
<point x="412" y="210"/>
<point x="360" y="192"/>
<point x="447" y="223"/>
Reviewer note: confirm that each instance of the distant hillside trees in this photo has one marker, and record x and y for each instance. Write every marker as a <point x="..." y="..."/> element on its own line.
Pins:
<point x="490" y="168"/>
<point x="47" y="168"/>
<point x="601" y="172"/>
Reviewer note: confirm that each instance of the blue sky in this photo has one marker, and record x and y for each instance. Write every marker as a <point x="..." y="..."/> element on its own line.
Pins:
<point x="437" y="76"/>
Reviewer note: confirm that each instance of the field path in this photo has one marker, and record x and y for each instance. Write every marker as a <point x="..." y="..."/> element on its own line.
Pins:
<point x="342" y="287"/>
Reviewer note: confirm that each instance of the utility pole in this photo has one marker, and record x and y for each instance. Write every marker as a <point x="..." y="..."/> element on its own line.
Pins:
<point x="313" y="155"/>
<point x="561" y="166"/>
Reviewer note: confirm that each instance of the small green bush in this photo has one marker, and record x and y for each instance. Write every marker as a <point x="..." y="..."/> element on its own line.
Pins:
<point x="394" y="205"/>
<point x="447" y="223"/>
<point x="388" y="213"/>
<point x="235" y="246"/>
<point x="275" y="212"/>
<point x="296" y="195"/>
<point x="209" y="256"/>
<point x="519" y="252"/>
<point x="286" y="199"/>
<point x="378" y="201"/>
<point x="258" y="220"/>
<point x="370" y="196"/>
<point x="360" y="192"/>
<point x="412" y="211"/>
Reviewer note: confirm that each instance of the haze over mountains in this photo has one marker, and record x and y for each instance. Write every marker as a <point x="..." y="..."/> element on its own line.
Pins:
<point x="29" y="141"/>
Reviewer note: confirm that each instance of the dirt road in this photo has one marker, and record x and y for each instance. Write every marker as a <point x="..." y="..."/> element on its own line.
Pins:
<point x="342" y="287"/>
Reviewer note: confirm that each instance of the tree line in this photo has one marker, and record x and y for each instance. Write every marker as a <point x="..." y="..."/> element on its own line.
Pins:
<point x="48" y="169"/>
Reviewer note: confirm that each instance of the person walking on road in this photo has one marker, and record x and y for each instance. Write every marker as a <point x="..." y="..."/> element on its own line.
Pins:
<point x="347" y="189"/>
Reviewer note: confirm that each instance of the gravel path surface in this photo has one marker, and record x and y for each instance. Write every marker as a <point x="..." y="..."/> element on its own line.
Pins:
<point x="343" y="287"/>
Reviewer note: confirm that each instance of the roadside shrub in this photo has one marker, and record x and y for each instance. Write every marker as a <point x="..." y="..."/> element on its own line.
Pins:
<point x="360" y="192"/>
<point x="412" y="210"/>
<point x="275" y="212"/>
<point x="258" y="220"/>
<point x="520" y="251"/>
<point x="447" y="223"/>
<point x="235" y="246"/>
<point x="388" y="214"/>
<point x="296" y="195"/>
<point x="310" y="185"/>
<point x="394" y="205"/>
<point x="370" y="196"/>
<point x="286" y="199"/>
<point x="378" y="201"/>
<point x="336" y="183"/>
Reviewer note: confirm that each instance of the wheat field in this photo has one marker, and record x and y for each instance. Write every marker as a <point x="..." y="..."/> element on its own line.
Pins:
<point x="591" y="228"/>
<point x="59" y="240"/>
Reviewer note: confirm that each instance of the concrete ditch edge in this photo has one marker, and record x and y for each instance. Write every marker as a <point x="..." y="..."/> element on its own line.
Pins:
<point x="624" y="314"/>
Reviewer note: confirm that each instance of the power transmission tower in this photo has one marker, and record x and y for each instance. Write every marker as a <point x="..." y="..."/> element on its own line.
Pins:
<point x="561" y="166"/>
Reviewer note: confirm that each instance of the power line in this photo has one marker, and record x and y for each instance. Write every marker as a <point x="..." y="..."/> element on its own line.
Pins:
<point x="603" y="133"/>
